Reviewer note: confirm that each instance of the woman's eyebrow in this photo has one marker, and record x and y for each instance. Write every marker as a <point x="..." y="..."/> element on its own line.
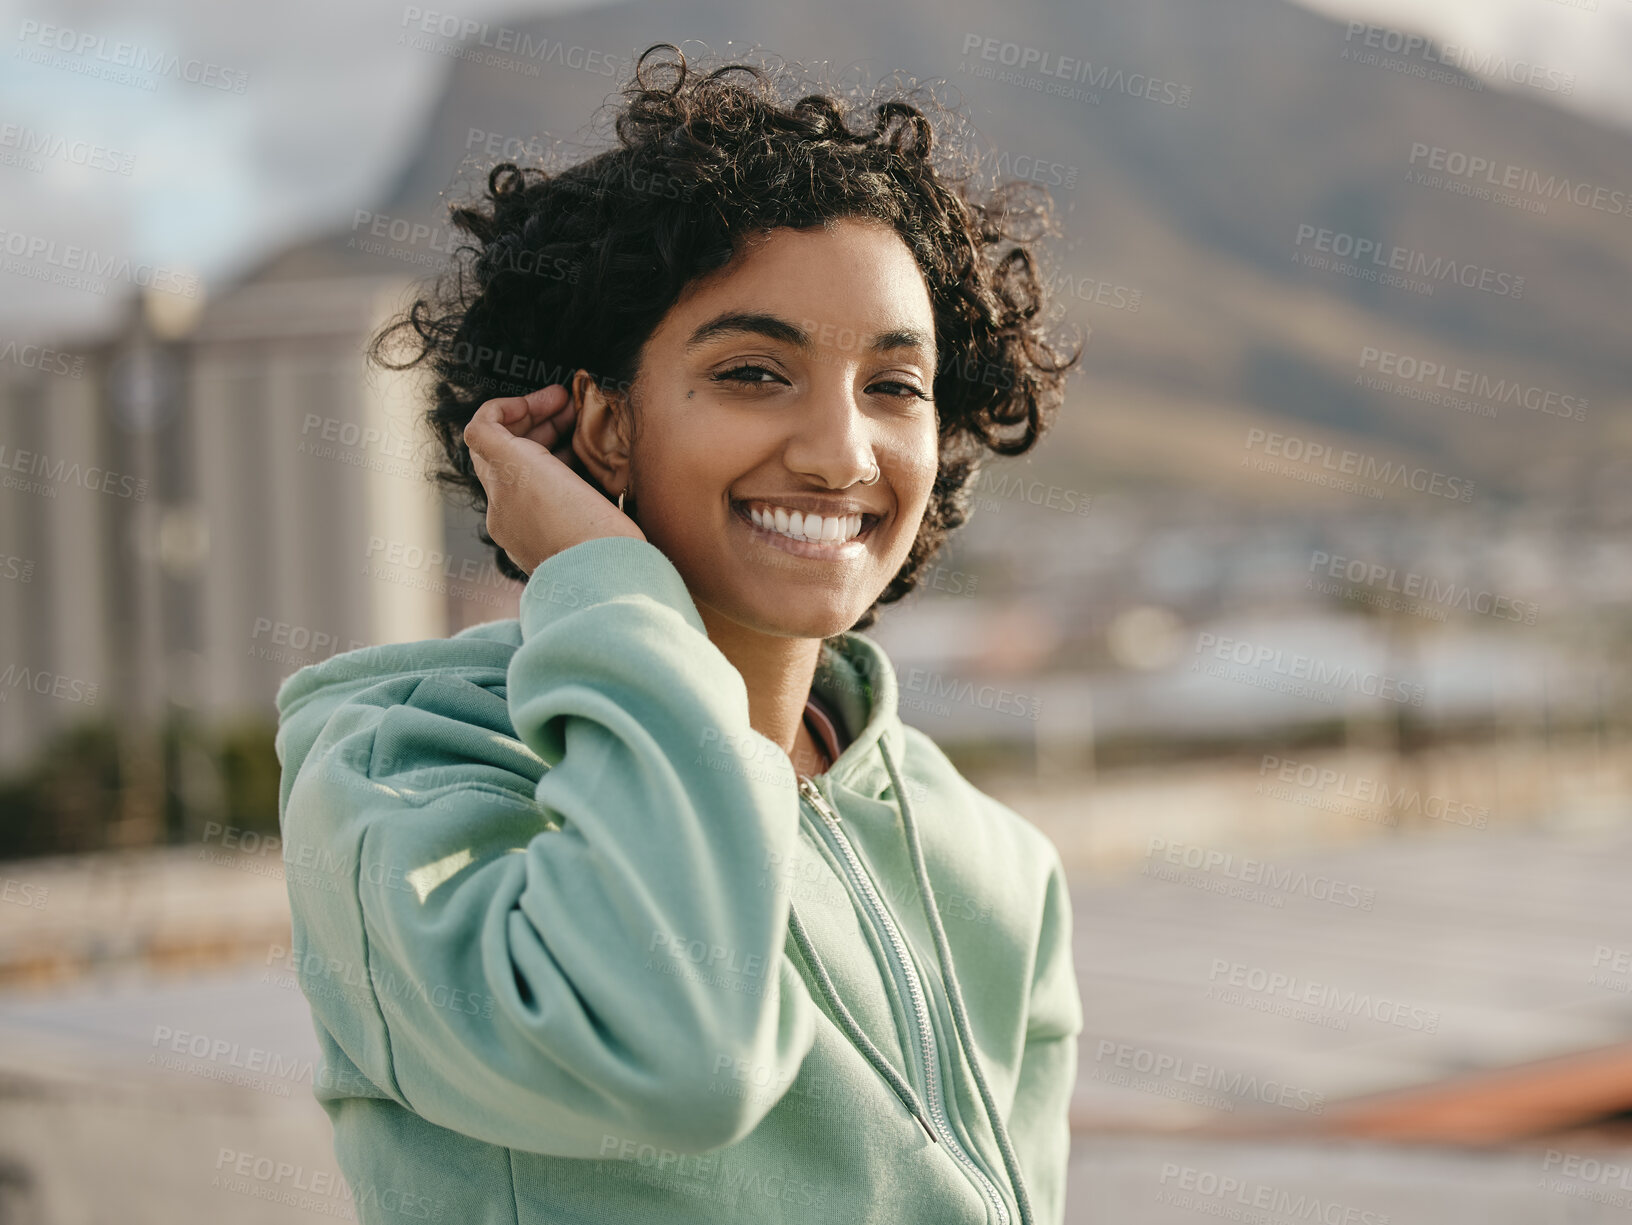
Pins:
<point x="777" y="328"/>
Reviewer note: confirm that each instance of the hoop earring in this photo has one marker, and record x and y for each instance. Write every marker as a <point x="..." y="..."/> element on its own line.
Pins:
<point x="621" y="496"/>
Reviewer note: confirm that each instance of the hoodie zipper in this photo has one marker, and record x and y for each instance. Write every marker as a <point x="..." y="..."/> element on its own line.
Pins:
<point x="929" y="1060"/>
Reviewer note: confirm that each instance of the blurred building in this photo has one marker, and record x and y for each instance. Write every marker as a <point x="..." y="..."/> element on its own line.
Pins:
<point x="208" y="500"/>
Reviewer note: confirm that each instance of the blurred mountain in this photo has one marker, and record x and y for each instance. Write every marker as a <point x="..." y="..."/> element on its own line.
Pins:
<point x="1208" y="135"/>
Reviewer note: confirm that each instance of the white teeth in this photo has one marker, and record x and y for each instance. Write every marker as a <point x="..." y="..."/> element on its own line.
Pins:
<point x="829" y="529"/>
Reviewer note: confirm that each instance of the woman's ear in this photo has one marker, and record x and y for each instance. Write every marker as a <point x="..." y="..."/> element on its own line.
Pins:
<point x="601" y="433"/>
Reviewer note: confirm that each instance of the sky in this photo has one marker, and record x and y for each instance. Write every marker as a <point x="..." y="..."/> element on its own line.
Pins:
<point x="200" y="179"/>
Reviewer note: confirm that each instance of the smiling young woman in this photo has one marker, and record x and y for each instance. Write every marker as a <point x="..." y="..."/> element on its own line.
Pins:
<point x="657" y="906"/>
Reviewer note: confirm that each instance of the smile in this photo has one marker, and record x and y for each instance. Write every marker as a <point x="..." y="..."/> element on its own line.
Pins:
<point x="838" y="536"/>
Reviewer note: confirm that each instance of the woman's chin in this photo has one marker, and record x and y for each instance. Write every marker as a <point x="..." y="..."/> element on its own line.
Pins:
<point x="799" y="616"/>
<point x="822" y="624"/>
<point x="778" y="595"/>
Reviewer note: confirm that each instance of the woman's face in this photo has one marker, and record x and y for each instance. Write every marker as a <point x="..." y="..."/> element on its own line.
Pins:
<point x="774" y="386"/>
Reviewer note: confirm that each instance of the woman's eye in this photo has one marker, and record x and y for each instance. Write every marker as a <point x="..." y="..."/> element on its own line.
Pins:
<point x="748" y="374"/>
<point x="762" y="376"/>
<point x="903" y="390"/>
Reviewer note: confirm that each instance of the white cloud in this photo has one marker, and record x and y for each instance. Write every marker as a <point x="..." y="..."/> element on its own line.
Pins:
<point x="1594" y="44"/>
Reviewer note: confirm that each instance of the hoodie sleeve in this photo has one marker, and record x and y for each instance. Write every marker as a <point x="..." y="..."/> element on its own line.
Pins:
<point x="1039" y="1124"/>
<point x="566" y="958"/>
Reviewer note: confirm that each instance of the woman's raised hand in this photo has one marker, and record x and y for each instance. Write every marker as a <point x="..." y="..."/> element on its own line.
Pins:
<point x="538" y="500"/>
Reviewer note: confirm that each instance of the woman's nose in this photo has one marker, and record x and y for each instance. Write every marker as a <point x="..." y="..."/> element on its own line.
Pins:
<point x="833" y="439"/>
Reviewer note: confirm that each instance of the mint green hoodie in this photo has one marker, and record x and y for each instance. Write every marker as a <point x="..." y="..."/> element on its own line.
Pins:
<point x="581" y="947"/>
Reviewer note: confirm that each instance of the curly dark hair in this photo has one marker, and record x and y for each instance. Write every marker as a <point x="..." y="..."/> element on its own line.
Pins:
<point x="575" y="269"/>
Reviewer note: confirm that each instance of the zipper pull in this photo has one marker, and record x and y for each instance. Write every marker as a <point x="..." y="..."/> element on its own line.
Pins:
<point x="811" y="792"/>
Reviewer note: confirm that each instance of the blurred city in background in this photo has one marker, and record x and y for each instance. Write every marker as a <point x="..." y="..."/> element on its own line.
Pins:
<point x="1325" y="566"/>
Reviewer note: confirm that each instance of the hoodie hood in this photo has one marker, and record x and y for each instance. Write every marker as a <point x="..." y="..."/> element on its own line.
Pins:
<point x="853" y="674"/>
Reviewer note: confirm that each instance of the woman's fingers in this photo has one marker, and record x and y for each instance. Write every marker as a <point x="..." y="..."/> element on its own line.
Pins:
<point x="539" y="498"/>
<point x="545" y="417"/>
<point x="522" y="415"/>
<point x="486" y="433"/>
<point x="555" y="432"/>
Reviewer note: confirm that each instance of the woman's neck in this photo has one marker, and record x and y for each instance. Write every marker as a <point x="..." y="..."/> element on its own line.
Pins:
<point x="777" y="672"/>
